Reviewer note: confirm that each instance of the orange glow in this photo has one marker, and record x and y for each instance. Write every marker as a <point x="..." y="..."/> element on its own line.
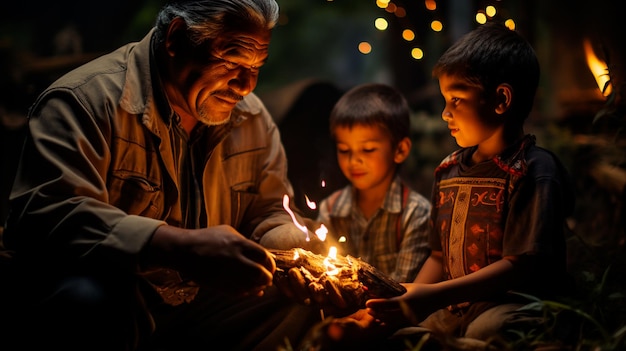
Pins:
<point x="400" y="12"/>
<point x="365" y="47"/>
<point x="408" y="35"/>
<point x="437" y="26"/>
<point x="598" y="68"/>
<point x="331" y="269"/>
<point x="382" y="3"/>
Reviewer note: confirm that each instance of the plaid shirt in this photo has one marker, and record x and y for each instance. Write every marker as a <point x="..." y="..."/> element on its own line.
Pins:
<point x="394" y="239"/>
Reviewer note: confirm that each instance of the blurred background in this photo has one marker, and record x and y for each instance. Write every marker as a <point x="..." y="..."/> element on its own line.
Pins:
<point x="321" y="48"/>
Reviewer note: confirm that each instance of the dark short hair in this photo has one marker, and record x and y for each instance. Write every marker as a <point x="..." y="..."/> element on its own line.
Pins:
<point x="208" y="19"/>
<point x="490" y="55"/>
<point x="373" y="104"/>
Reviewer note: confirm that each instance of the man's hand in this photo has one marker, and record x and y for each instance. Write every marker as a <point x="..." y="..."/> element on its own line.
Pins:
<point x="358" y="330"/>
<point x="308" y="290"/>
<point x="217" y="257"/>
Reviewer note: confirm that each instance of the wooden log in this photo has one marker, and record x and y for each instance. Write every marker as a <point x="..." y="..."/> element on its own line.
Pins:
<point x="347" y="281"/>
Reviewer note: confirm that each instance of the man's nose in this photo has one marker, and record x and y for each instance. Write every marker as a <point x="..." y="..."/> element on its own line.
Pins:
<point x="244" y="82"/>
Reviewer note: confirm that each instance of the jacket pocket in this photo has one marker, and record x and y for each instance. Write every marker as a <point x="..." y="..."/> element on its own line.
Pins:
<point x="242" y="195"/>
<point x="135" y="194"/>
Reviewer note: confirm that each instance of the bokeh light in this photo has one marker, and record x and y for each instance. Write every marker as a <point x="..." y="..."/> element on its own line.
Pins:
<point x="417" y="53"/>
<point x="437" y="26"/>
<point x="381" y="23"/>
<point x="481" y="18"/>
<point x="365" y="47"/>
<point x="408" y="35"/>
<point x="510" y="24"/>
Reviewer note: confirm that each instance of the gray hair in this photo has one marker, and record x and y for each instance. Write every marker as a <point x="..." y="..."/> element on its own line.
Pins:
<point x="209" y="19"/>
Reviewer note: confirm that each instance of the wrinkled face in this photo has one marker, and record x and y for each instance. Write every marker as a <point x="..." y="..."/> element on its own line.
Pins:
<point x="216" y="78"/>
<point x="365" y="155"/>
<point x="470" y="119"/>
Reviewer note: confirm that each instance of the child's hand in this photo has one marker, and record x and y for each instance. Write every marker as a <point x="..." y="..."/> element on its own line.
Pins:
<point x="414" y="306"/>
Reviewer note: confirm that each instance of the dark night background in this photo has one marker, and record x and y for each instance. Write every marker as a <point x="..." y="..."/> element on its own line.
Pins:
<point x="314" y="58"/>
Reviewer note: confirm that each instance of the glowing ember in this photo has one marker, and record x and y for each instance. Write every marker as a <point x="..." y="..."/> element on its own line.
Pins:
<point x="303" y="228"/>
<point x="332" y="252"/>
<point x="342" y="239"/>
<point x="321" y="232"/>
<point x="296" y="254"/>
<point x="323" y="183"/>
<point x="310" y="203"/>
<point x="598" y="68"/>
<point x="331" y="269"/>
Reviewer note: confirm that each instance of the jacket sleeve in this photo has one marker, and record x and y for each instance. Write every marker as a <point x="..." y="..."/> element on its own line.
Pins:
<point x="59" y="200"/>
<point x="268" y="221"/>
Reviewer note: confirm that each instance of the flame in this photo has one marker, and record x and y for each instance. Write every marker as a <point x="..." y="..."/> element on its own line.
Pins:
<point x="303" y="228"/>
<point x="321" y="232"/>
<point x="323" y="183"/>
<point x="310" y="203"/>
<point x="331" y="269"/>
<point x="598" y="68"/>
<point x="342" y="239"/>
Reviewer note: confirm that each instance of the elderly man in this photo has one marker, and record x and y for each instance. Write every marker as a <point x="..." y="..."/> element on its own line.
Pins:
<point x="144" y="176"/>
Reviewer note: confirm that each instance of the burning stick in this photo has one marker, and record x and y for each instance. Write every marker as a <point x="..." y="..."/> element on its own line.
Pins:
<point x="347" y="282"/>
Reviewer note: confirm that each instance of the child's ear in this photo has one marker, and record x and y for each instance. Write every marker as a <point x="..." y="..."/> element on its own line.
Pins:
<point x="403" y="149"/>
<point x="504" y="96"/>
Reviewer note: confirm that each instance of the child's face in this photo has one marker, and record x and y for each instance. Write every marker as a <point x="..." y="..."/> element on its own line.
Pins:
<point x="366" y="156"/>
<point x="470" y="118"/>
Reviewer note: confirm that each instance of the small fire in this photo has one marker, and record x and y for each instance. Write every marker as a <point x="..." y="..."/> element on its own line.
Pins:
<point x="320" y="232"/>
<point x="331" y="269"/>
<point x="598" y="68"/>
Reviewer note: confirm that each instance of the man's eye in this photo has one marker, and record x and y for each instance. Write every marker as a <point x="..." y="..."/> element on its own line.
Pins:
<point x="230" y="65"/>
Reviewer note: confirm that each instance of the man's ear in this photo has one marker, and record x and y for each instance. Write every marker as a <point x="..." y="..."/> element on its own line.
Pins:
<point x="403" y="149"/>
<point x="504" y="97"/>
<point x="176" y="42"/>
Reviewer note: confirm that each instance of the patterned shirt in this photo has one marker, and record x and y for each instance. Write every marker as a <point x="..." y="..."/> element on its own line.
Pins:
<point x="394" y="239"/>
<point x="514" y="204"/>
